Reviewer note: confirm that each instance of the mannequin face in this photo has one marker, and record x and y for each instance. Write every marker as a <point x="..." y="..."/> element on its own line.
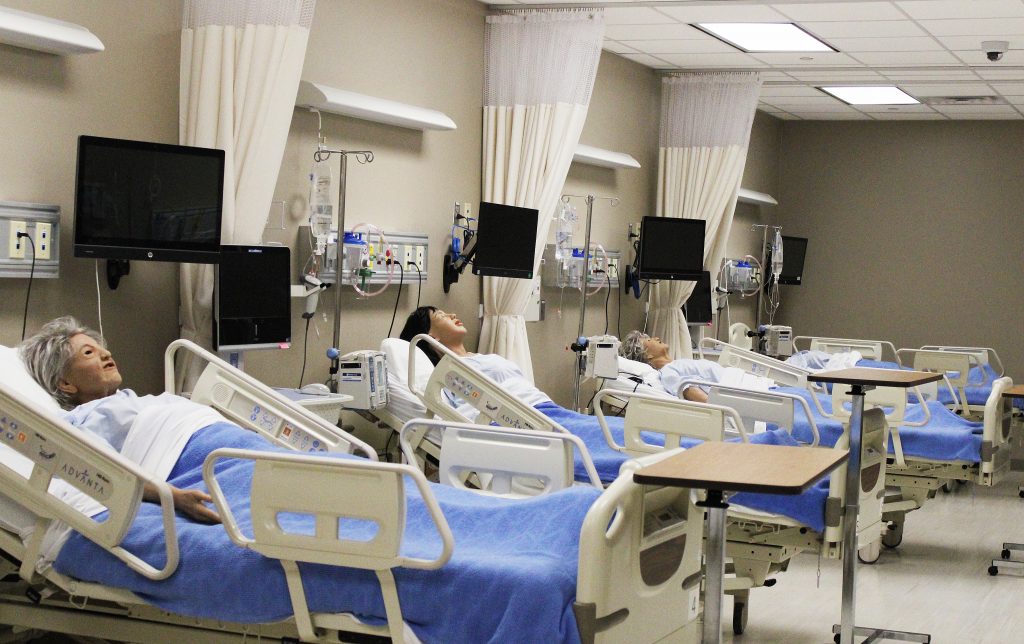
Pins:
<point x="447" y="328"/>
<point x="655" y="348"/>
<point x="92" y="374"/>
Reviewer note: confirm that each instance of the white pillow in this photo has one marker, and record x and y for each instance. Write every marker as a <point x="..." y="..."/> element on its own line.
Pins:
<point x="629" y="367"/>
<point x="397" y="352"/>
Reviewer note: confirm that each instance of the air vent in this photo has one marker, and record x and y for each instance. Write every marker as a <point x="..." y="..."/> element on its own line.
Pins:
<point x="963" y="100"/>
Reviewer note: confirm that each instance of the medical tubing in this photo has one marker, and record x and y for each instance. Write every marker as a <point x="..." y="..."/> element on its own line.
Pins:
<point x="305" y="351"/>
<point x="31" y="275"/>
<point x="401" y="278"/>
<point x="419" y="283"/>
<point x="99" y="306"/>
<point x="382" y="240"/>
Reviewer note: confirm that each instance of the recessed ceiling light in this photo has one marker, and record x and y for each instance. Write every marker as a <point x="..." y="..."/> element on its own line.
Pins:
<point x="764" y="36"/>
<point x="871" y="95"/>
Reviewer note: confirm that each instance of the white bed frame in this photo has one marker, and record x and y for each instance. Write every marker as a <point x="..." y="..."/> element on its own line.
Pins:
<point x="621" y="538"/>
<point x="870" y="349"/>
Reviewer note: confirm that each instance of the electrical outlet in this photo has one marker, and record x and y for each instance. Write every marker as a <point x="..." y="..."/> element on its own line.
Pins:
<point x="613" y="267"/>
<point x="408" y="255"/>
<point x="421" y="259"/>
<point x="16" y="245"/>
<point x="43" y="233"/>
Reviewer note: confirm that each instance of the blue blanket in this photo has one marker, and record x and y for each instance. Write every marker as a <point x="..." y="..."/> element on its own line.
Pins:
<point x="978" y="389"/>
<point x="946" y="437"/>
<point x="808" y="508"/>
<point x="512" y="576"/>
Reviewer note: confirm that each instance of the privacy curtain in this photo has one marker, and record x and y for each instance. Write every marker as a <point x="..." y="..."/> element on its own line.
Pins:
<point x="705" y="131"/>
<point x="539" y="73"/>
<point x="240" y="67"/>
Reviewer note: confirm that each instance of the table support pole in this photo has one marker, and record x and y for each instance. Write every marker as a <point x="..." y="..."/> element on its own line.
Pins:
<point x="852" y="494"/>
<point x="714" y="566"/>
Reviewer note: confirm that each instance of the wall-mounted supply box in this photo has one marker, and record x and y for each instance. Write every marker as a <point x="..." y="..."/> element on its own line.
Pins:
<point x="42" y="223"/>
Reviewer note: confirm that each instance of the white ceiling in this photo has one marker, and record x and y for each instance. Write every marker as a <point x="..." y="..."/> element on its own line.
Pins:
<point x="929" y="48"/>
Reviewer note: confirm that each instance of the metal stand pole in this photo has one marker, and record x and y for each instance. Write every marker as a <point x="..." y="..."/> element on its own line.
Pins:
<point x="852" y="502"/>
<point x="714" y="566"/>
<point x="583" y="304"/>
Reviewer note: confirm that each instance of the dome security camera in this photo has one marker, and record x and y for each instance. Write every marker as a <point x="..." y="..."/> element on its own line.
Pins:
<point x="994" y="49"/>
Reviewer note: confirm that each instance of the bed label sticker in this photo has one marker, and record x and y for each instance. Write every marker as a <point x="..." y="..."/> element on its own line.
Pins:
<point x="91" y="481"/>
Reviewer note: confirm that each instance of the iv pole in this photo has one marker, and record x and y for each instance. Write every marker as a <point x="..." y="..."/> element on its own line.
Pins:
<point x="760" y="288"/>
<point x="362" y="156"/>
<point x="590" y="199"/>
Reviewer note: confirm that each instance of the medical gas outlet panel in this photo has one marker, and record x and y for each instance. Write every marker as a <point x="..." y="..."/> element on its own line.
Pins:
<point x="567" y="270"/>
<point x="41" y="224"/>
<point x="364" y="258"/>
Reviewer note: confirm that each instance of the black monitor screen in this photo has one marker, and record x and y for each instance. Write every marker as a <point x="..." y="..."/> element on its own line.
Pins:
<point x="253" y="308"/>
<point x="139" y="200"/>
<point x="698" y="306"/>
<point x="671" y="248"/>
<point x="794" y="249"/>
<point x="506" y="239"/>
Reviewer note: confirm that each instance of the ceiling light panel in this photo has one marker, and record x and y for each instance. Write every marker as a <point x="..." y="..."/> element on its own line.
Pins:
<point x="870" y="95"/>
<point x="765" y="36"/>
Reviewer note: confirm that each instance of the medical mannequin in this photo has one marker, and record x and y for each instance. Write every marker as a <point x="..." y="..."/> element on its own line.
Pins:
<point x="71" y="362"/>
<point x="641" y="347"/>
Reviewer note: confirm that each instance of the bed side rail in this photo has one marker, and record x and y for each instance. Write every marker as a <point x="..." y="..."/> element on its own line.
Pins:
<point x="757" y="364"/>
<point x="251" y="404"/>
<point x="983" y="355"/>
<point x="996" y="432"/>
<point x="358" y="512"/>
<point x="509" y="457"/>
<point x="648" y="542"/>
<point x="870" y="349"/>
<point x="670" y="418"/>
<point x="58" y="450"/>
<point x="955" y="367"/>
<point x="766" y="406"/>
<point x="454" y="375"/>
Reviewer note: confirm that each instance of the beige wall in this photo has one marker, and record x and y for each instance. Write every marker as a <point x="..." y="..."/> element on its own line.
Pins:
<point x="128" y="91"/>
<point x="915" y="231"/>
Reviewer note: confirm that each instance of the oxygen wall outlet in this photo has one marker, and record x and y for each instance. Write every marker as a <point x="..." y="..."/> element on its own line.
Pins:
<point x="16" y="245"/>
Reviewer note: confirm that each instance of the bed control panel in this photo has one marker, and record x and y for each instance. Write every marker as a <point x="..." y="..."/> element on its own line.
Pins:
<point x="491" y="407"/>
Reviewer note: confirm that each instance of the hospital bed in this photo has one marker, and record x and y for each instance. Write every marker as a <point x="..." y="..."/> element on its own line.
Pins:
<point x="760" y="542"/>
<point x="642" y="537"/>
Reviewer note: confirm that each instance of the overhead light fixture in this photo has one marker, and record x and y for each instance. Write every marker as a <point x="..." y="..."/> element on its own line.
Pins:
<point x="32" y="31"/>
<point x="764" y="36"/>
<point x="754" y="197"/>
<point x="871" y="95"/>
<point x="370" y="108"/>
<point x="603" y="158"/>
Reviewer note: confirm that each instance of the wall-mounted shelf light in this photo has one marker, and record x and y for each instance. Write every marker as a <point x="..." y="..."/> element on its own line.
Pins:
<point x="32" y="31"/>
<point x="603" y="158"/>
<point x="756" y="198"/>
<point x="370" y="108"/>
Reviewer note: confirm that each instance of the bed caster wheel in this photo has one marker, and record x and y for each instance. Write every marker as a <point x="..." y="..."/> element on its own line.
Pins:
<point x="768" y="583"/>
<point x="869" y="553"/>
<point x="1005" y="554"/>
<point x="836" y="637"/>
<point x="893" y="535"/>
<point x="947" y="487"/>
<point x="739" y="618"/>
<point x="993" y="570"/>
<point x="1020" y="493"/>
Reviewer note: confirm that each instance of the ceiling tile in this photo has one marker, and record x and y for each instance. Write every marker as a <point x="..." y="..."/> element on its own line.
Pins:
<point x="908" y="109"/>
<point x="937" y="9"/>
<point x="666" y="31"/>
<point x="692" y="61"/>
<point x="904" y="58"/>
<point x="650" y="61"/>
<point x="909" y="116"/>
<point x="939" y="89"/>
<point x="735" y="13"/>
<point x="803" y="59"/>
<point x="917" y="43"/>
<point x="991" y="110"/>
<point x="831" y="116"/>
<point x="702" y="46"/>
<point x="772" y="75"/>
<point x="978" y="57"/>
<point x="864" y="29"/>
<point x="828" y="75"/>
<point x="775" y="91"/>
<point x="1015" y="100"/>
<point x="965" y="43"/>
<point x="1009" y="89"/>
<point x="1000" y="74"/>
<point x="634" y="16"/>
<point x="617" y="47"/>
<point x="973" y="26"/>
<point x="841" y="11"/>
<point x="939" y="74"/>
<point x="820" y="103"/>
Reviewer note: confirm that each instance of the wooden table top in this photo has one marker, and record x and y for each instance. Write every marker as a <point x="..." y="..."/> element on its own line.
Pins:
<point x="1016" y="391"/>
<point x="876" y="377"/>
<point x="744" y="467"/>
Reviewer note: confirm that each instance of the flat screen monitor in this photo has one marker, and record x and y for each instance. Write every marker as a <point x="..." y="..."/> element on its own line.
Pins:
<point x="794" y="250"/>
<point x="149" y="201"/>
<point x="252" y="298"/>
<point x="506" y="240"/>
<point x="671" y="248"/>
<point x="698" y="306"/>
